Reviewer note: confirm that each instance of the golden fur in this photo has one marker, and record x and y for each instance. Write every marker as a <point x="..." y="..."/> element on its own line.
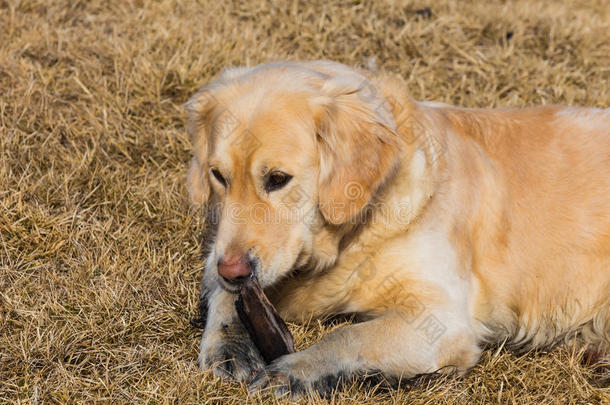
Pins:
<point x="445" y="228"/>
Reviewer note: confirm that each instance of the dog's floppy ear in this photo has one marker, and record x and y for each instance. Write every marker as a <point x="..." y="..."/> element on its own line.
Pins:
<point x="359" y="147"/>
<point x="199" y="109"/>
<point x="197" y="183"/>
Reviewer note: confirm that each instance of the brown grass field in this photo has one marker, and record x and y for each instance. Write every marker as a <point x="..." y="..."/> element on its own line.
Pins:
<point x="99" y="256"/>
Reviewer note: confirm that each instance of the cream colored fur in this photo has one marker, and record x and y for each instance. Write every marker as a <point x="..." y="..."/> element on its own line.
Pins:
<point x="445" y="228"/>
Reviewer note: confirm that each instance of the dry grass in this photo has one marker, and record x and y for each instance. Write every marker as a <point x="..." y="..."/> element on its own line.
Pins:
<point x="99" y="263"/>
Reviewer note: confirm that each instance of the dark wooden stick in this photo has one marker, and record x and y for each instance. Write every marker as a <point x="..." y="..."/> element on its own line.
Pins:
<point x="265" y="326"/>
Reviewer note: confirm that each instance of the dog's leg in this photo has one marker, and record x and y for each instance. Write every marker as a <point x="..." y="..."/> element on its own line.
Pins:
<point x="397" y="347"/>
<point x="226" y="347"/>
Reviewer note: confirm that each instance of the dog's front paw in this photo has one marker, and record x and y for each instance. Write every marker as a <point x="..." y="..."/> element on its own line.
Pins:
<point x="230" y="353"/>
<point x="297" y="375"/>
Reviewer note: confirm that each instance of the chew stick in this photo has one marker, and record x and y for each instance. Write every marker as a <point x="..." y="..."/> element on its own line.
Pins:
<point x="265" y="326"/>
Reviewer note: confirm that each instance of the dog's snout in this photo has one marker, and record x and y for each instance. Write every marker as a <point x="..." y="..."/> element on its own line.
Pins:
<point x="234" y="268"/>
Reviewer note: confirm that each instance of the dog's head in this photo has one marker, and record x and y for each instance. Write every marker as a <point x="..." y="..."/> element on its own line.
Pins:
<point x="284" y="153"/>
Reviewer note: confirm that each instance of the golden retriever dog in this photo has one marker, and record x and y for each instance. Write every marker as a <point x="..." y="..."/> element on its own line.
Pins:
<point x="444" y="229"/>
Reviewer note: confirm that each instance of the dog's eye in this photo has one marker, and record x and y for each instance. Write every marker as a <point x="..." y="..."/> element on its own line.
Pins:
<point x="219" y="177"/>
<point x="277" y="180"/>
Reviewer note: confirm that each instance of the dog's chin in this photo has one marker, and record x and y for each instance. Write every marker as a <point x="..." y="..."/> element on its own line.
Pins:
<point x="229" y="287"/>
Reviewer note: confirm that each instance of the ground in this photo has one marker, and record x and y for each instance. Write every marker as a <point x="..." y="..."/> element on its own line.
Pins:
<point x="99" y="246"/>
